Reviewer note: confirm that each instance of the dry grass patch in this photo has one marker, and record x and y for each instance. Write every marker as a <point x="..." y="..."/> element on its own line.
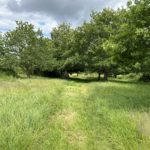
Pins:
<point x="143" y="125"/>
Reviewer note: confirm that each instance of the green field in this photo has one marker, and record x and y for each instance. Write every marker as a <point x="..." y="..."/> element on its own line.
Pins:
<point x="55" y="114"/>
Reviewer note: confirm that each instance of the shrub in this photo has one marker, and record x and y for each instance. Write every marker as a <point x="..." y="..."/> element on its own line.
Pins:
<point x="145" y="77"/>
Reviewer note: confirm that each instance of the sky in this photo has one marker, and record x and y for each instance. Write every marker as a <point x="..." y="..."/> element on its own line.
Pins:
<point x="47" y="14"/>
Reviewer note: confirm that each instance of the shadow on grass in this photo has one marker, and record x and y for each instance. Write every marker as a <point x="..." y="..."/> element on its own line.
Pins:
<point x="127" y="95"/>
<point x="80" y="80"/>
<point x="131" y="97"/>
<point x="129" y="103"/>
<point x="121" y="94"/>
<point x="89" y="80"/>
<point x="127" y="82"/>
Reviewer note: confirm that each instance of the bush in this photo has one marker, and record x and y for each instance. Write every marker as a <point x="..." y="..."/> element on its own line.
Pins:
<point x="8" y="72"/>
<point x="145" y="77"/>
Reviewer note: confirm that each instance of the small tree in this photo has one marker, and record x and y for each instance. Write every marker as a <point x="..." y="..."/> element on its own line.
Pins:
<point x="23" y="44"/>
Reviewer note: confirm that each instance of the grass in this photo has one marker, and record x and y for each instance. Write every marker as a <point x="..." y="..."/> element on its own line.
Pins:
<point x="54" y="114"/>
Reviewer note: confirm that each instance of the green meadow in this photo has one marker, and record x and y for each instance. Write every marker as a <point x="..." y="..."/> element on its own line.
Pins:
<point x="75" y="114"/>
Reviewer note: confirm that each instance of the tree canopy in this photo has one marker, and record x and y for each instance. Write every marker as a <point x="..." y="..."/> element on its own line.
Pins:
<point x="112" y="42"/>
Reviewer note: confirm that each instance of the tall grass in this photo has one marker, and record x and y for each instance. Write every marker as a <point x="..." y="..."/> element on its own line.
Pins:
<point x="53" y="114"/>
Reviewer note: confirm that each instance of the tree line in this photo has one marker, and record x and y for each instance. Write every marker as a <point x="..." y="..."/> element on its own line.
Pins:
<point x="113" y="42"/>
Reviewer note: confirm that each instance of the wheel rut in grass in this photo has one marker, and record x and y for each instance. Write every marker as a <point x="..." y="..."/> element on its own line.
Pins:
<point x="69" y="117"/>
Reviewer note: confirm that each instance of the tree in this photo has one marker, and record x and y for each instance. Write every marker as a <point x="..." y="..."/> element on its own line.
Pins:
<point x="2" y="51"/>
<point x="8" y="62"/>
<point x="23" y="44"/>
<point x="83" y="36"/>
<point x="139" y="16"/>
<point x="112" y="42"/>
<point x="132" y="36"/>
<point x="98" y="33"/>
<point x="61" y="40"/>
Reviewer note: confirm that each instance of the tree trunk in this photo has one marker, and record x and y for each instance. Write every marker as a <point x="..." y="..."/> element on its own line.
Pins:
<point x="61" y="73"/>
<point x="29" y="71"/>
<point x="66" y="75"/>
<point x="105" y="75"/>
<point x="28" y="75"/>
<point x="99" y="73"/>
<point x="115" y="75"/>
<point x="99" y="76"/>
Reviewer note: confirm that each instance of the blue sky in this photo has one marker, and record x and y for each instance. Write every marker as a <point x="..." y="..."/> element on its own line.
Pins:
<point x="46" y="14"/>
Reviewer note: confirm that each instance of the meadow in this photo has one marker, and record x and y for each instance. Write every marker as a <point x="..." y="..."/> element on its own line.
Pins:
<point x="76" y="114"/>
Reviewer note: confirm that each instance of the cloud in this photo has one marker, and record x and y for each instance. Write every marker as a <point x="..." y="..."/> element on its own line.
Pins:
<point x="8" y="18"/>
<point x="62" y="10"/>
<point x="46" y="14"/>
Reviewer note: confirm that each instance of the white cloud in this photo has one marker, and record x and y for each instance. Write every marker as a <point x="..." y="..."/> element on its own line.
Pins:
<point x="46" y="14"/>
<point x="8" y="18"/>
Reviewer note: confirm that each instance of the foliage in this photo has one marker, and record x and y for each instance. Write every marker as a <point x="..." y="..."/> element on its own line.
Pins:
<point x="25" y="46"/>
<point x="112" y="42"/>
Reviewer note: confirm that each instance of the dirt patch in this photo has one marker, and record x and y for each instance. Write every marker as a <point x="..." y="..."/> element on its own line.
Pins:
<point x="67" y="119"/>
<point x="143" y="125"/>
<point x="67" y="116"/>
<point x="77" y="137"/>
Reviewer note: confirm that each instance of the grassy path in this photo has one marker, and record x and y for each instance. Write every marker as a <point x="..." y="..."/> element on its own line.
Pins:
<point x="45" y="114"/>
